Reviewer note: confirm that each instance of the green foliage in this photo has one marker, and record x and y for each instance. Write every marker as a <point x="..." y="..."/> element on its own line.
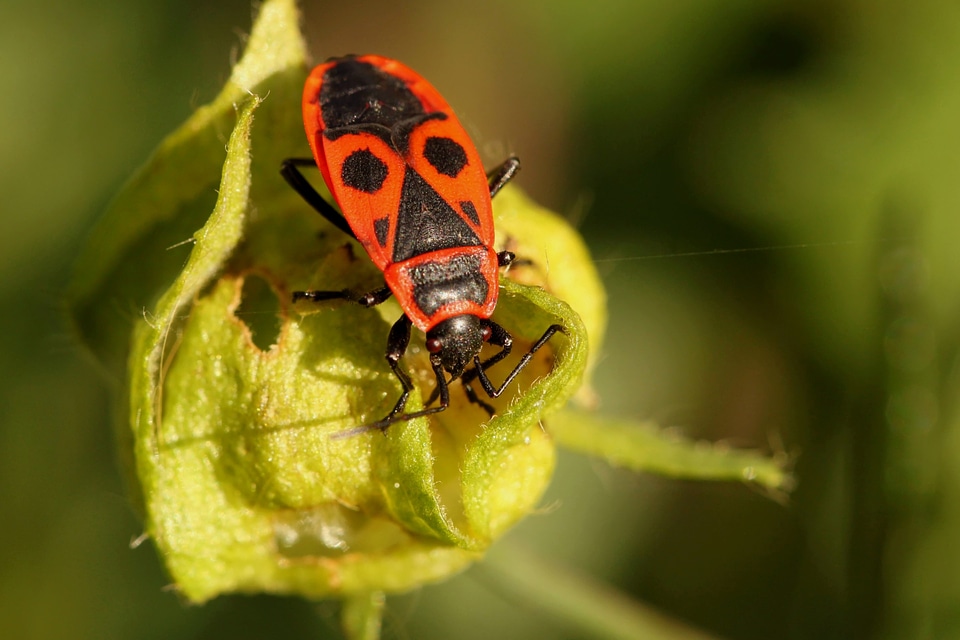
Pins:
<point x="245" y="483"/>
<point x="238" y="445"/>
<point x="648" y="447"/>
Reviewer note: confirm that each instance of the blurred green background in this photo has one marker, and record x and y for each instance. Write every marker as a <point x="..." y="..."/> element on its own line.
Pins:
<point x="807" y="151"/>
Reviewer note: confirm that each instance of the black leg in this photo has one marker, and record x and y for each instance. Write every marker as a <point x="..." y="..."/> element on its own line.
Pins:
<point x="509" y="258"/>
<point x="472" y="397"/>
<point x="498" y="337"/>
<point x="369" y="299"/>
<point x="290" y="172"/>
<point x="480" y="367"/>
<point x="503" y="174"/>
<point x="396" y="415"/>
<point x="397" y="343"/>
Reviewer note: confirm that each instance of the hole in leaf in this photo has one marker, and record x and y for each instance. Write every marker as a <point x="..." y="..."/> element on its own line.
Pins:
<point x="260" y="310"/>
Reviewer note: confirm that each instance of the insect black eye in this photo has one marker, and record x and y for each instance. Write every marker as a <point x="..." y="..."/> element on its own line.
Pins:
<point x="434" y="345"/>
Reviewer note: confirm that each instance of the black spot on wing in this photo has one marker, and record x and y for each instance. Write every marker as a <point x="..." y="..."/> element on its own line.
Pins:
<point x="381" y="227"/>
<point x="470" y="211"/>
<point x="364" y="171"/>
<point x="445" y="155"/>
<point x="427" y="222"/>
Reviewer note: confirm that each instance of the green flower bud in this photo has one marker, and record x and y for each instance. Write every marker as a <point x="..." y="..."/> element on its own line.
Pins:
<point x="237" y="443"/>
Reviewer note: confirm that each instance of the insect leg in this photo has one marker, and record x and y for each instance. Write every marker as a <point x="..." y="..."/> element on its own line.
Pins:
<point x="397" y="343"/>
<point x="508" y="258"/>
<point x="500" y="334"/>
<point x="469" y="376"/>
<point x="503" y="174"/>
<point x="290" y="172"/>
<point x="472" y="397"/>
<point x="393" y="357"/>
<point x="499" y="337"/>
<point x="369" y="299"/>
<point x="505" y="258"/>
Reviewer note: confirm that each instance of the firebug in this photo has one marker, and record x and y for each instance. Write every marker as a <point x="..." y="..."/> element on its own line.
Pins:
<point x="413" y="191"/>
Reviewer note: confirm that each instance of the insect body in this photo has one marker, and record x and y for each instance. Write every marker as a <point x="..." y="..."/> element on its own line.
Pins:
<point x="413" y="192"/>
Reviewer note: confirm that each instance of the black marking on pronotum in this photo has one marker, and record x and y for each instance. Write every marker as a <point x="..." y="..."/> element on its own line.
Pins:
<point x="364" y="171"/>
<point x="358" y="93"/>
<point x="427" y="222"/>
<point x="445" y="155"/>
<point x="357" y="97"/>
<point x="436" y="284"/>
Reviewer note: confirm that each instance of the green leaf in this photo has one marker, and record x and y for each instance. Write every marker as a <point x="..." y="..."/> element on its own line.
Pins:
<point x="594" y="609"/>
<point x="239" y="459"/>
<point x="561" y="264"/>
<point x="138" y="246"/>
<point x="650" y="448"/>
<point x="242" y="445"/>
<point x="505" y="464"/>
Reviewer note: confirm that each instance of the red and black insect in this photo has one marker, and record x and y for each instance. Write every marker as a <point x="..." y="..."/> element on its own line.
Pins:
<point x="413" y="192"/>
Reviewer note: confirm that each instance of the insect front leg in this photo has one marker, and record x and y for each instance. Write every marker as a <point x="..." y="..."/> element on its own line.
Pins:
<point x="396" y="346"/>
<point x="499" y="334"/>
<point x="397" y="343"/>
<point x="472" y="397"/>
<point x="499" y="337"/>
